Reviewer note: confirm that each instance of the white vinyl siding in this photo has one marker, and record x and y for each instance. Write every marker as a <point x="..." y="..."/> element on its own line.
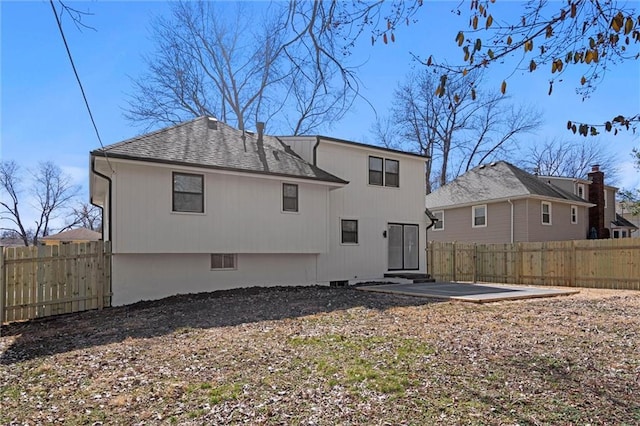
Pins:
<point x="546" y="213"/>
<point x="479" y="216"/>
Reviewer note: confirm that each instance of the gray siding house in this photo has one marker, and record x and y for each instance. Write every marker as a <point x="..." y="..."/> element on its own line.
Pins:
<point x="500" y="203"/>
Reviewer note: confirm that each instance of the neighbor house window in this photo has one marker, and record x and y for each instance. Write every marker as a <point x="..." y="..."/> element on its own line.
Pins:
<point x="546" y="213"/>
<point x="349" y="231"/>
<point x="439" y="225"/>
<point x="574" y="214"/>
<point x="223" y="261"/>
<point x="605" y="198"/>
<point x="392" y="173"/>
<point x="479" y="214"/>
<point x="289" y="197"/>
<point x="580" y="191"/>
<point x="616" y="233"/>
<point x="375" y="171"/>
<point x="188" y="193"/>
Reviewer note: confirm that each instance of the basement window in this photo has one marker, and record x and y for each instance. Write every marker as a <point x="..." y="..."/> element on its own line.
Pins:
<point x="223" y="261"/>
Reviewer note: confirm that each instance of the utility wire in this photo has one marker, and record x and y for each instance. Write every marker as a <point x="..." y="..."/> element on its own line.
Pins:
<point x="75" y="71"/>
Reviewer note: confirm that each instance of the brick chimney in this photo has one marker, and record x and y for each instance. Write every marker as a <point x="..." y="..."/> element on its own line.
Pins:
<point x="596" y="196"/>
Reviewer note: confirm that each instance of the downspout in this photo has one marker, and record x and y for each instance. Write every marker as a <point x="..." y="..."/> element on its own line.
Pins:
<point x="108" y="179"/>
<point x="512" y="213"/>
<point x="315" y="147"/>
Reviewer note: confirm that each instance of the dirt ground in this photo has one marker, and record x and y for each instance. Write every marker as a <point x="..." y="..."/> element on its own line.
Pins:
<point x="326" y="356"/>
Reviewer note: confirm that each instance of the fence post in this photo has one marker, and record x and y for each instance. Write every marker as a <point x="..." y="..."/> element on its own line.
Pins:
<point x="2" y="285"/>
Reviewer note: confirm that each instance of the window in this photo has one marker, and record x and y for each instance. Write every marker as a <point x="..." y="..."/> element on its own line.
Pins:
<point x="375" y="171"/>
<point x="616" y="233"/>
<point x="479" y="214"/>
<point x="624" y="233"/>
<point x="574" y="214"/>
<point x="349" y="231"/>
<point x="384" y="172"/>
<point x="605" y="198"/>
<point x="392" y="173"/>
<point x="188" y="193"/>
<point x="289" y="197"/>
<point x="580" y="190"/>
<point x="223" y="261"/>
<point x="546" y="213"/>
<point x="439" y="225"/>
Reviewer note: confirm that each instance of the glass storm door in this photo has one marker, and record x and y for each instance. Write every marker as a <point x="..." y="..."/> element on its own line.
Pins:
<point x="403" y="247"/>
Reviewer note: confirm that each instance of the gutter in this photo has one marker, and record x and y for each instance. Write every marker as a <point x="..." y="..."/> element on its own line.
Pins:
<point x="108" y="179"/>
<point x="315" y="147"/>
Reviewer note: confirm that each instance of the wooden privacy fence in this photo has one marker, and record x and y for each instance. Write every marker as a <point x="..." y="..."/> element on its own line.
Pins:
<point x="41" y="281"/>
<point x="613" y="263"/>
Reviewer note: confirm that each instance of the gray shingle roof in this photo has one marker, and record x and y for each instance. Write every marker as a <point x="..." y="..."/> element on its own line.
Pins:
<point x="622" y="222"/>
<point x="77" y="234"/>
<point x="194" y="143"/>
<point x="495" y="181"/>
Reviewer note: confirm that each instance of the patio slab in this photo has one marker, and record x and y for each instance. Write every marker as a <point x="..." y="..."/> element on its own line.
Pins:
<point x="468" y="292"/>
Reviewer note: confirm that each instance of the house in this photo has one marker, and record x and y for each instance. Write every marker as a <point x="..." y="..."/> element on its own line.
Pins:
<point x="78" y="235"/>
<point x="500" y="203"/>
<point x="202" y="206"/>
<point x="626" y="224"/>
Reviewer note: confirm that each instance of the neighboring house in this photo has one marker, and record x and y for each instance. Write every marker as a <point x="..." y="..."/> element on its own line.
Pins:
<point x="603" y="217"/>
<point x="201" y="206"/>
<point x="629" y="223"/>
<point x="78" y="235"/>
<point x="500" y="203"/>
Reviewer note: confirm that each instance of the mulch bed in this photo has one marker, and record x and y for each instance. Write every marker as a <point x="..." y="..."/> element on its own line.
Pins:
<point x="325" y="356"/>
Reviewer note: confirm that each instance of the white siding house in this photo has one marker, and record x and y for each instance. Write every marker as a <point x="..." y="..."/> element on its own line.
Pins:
<point x="202" y="206"/>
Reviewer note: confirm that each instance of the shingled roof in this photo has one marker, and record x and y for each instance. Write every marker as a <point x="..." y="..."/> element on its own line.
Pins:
<point x="206" y="142"/>
<point x="496" y="181"/>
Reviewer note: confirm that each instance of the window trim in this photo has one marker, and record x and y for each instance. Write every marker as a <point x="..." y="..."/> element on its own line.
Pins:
<point x="574" y="215"/>
<point x="542" y="204"/>
<point x="386" y="173"/>
<point x="173" y="192"/>
<point x="349" y="243"/>
<point x="297" y="198"/>
<point x="441" y="228"/>
<point x="473" y="216"/>
<point x="233" y="267"/>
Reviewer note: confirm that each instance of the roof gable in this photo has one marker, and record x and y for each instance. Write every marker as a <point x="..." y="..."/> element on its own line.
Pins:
<point x="206" y="142"/>
<point x="496" y="181"/>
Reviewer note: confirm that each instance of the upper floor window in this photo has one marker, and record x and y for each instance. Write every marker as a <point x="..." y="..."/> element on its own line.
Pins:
<point x="188" y="193"/>
<point x="479" y="215"/>
<point x="384" y="172"/>
<point x="349" y="230"/>
<point x="574" y="214"/>
<point x="289" y="197"/>
<point x="580" y="190"/>
<point x="546" y="213"/>
<point x="392" y="173"/>
<point x="439" y="225"/>
<point x="375" y="171"/>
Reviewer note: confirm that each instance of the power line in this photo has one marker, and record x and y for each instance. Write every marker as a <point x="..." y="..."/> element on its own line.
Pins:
<point x="75" y="71"/>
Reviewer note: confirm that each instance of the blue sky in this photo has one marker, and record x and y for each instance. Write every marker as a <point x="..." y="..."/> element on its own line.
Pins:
<point x="43" y="115"/>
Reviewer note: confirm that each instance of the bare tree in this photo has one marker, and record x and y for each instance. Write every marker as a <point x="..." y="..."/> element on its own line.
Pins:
<point x="459" y="129"/>
<point x="209" y="61"/>
<point x="84" y="215"/>
<point x="51" y="191"/>
<point x="558" y="157"/>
